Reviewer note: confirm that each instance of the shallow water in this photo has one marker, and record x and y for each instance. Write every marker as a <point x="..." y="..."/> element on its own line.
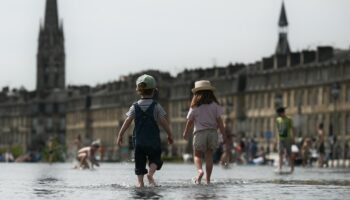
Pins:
<point x="117" y="180"/>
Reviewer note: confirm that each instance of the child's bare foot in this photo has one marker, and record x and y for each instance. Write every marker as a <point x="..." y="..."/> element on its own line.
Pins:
<point x="151" y="180"/>
<point x="198" y="179"/>
<point x="140" y="185"/>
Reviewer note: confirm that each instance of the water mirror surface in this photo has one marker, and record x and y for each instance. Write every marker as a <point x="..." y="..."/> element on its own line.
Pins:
<point x="117" y="180"/>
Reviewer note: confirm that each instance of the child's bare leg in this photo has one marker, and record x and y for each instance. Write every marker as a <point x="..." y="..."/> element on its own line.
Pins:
<point x="140" y="183"/>
<point x="151" y="171"/>
<point x="208" y="164"/>
<point x="280" y="161"/>
<point x="198" y="163"/>
<point x="291" y="161"/>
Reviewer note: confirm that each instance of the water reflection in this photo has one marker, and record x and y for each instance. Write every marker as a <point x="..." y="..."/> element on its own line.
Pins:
<point x="46" y="187"/>
<point x="207" y="192"/>
<point x="146" y="193"/>
<point x="61" y="182"/>
<point x="48" y="180"/>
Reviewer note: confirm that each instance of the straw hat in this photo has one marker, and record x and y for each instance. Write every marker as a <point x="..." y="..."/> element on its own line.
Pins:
<point x="202" y="85"/>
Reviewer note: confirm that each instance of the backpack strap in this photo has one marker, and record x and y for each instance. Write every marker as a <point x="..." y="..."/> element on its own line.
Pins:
<point x="150" y="107"/>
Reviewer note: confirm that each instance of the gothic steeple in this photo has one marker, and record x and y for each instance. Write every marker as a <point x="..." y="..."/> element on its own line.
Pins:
<point x="51" y="55"/>
<point x="282" y="22"/>
<point x="51" y="14"/>
<point x="283" y="44"/>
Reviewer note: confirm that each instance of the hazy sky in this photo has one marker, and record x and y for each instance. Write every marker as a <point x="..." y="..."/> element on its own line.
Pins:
<point x="109" y="38"/>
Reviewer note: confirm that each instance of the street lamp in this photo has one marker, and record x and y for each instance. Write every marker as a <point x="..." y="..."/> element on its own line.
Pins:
<point x="298" y="119"/>
<point x="335" y="92"/>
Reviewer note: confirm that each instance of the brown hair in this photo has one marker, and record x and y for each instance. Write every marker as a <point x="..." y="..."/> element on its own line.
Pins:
<point x="142" y="91"/>
<point x="203" y="97"/>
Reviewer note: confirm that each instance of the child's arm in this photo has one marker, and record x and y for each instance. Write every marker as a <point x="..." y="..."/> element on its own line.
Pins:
<point x="188" y="128"/>
<point x="221" y="126"/>
<point x="94" y="162"/>
<point x="125" y="126"/>
<point x="165" y="124"/>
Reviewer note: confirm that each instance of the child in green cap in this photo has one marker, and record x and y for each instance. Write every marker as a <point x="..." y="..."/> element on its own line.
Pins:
<point x="147" y="114"/>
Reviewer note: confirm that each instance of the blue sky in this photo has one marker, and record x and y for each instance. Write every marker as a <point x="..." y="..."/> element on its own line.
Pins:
<point x="109" y="38"/>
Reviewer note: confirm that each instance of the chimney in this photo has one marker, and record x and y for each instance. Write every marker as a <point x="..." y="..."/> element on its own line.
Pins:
<point x="324" y="53"/>
<point x="293" y="59"/>
<point x="267" y="63"/>
<point x="307" y="57"/>
<point x="280" y="61"/>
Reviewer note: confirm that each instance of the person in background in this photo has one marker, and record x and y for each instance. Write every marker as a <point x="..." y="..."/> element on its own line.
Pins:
<point x="285" y="138"/>
<point x="320" y="145"/>
<point x="332" y="140"/>
<point x="87" y="156"/>
<point x="305" y="152"/>
<point x="228" y="145"/>
<point x="77" y="142"/>
<point x="205" y="116"/>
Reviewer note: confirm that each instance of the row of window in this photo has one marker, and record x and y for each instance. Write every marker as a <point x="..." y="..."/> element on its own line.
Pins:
<point x="12" y="138"/>
<point x="49" y="123"/>
<point x="298" y="97"/>
<point x="297" y="78"/>
<point x="14" y="110"/>
<point x="49" y="108"/>
<point x="14" y="122"/>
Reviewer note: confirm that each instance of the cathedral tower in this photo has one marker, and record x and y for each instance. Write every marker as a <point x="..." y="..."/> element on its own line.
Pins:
<point x="51" y="55"/>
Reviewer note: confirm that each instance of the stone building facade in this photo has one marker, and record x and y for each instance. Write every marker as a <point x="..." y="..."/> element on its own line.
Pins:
<point x="15" y="118"/>
<point x="313" y="84"/>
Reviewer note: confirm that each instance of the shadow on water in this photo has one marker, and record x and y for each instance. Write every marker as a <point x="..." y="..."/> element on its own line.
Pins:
<point x="211" y="191"/>
<point x="192" y="191"/>
<point x="146" y="193"/>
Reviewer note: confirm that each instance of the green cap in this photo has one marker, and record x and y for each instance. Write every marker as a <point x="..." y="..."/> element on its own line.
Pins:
<point x="148" y="80"/>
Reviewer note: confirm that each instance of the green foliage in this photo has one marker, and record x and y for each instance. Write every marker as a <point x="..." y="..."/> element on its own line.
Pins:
<point x="17" y="150"/>
<point x="54" y="151"/>
<point x="2" y="150"/>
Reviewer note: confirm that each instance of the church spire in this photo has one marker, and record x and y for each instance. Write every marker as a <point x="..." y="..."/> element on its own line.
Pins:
<point x="283" y="44"/>
<point x="282" y="22"/>
<point x="51" y="15"/>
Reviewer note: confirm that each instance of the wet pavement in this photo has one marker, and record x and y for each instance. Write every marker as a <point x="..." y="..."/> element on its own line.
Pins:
<point x="117" y="181"/>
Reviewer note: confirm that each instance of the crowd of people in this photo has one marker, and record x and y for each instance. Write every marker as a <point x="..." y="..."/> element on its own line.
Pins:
<point x="319" y="150"/>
